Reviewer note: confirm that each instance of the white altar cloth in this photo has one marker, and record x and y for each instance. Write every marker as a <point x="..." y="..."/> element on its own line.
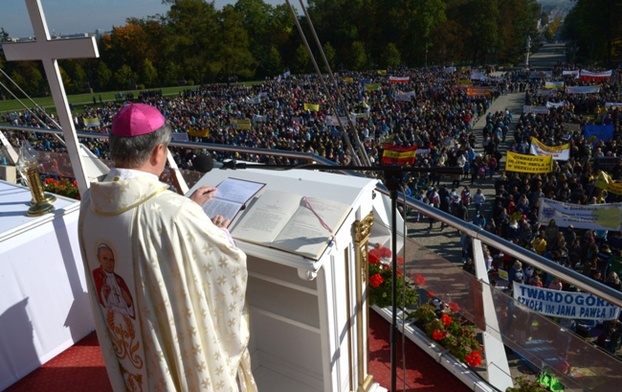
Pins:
<point x="44" y="306"/>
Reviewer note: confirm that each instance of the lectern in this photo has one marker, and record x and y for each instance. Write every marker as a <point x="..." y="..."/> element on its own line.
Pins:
<point x="309" y="317"/>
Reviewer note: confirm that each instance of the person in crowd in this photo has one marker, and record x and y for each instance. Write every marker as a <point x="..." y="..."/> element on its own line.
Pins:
<point x="186" y="277"/>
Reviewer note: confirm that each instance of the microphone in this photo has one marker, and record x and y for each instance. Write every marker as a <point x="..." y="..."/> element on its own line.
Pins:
<point x="233" y="164"/>
<point x="203" y="163"/>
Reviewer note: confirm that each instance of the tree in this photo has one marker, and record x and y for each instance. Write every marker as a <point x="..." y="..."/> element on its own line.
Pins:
<point x="391" y="58"/>
<point x="125" y="77"/>
<point x="358" y="60"/>
<point x="149" y="74"/>
<point x="301" y="62"/>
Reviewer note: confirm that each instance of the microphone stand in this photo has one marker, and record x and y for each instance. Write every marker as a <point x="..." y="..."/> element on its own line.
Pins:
<point x="393" y="178"/>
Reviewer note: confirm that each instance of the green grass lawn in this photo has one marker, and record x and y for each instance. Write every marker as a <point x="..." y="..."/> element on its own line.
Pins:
<point x="47" y="103"/>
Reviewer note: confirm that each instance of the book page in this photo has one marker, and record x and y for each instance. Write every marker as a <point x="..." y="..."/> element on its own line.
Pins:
<point x="236" y="190"/>
<point x="305" y="233"/>
<point x="266" y="217"/>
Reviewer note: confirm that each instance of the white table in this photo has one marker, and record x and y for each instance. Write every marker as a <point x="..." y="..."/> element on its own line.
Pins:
<point x="44" y="307"/>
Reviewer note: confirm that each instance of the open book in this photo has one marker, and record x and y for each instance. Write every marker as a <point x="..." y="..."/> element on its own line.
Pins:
<point x="290" y="222"/>
<point x="231" y="196"/>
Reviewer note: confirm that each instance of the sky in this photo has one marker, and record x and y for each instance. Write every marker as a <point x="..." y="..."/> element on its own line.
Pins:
<point x="85" y="16"/>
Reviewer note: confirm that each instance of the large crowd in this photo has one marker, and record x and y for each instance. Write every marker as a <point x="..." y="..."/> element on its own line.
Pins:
<point x="438" y="115"/>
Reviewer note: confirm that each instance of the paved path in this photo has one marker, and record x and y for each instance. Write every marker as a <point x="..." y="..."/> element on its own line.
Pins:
<point x="446" y="243"/>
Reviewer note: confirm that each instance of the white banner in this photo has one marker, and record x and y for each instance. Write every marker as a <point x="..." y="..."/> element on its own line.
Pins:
<point x="550" y="104"/>
<point x="582" y="89"/>
<point x="606" y="216"/>
<point x="404" y="96"/>
<point x="535" y="109"/>
<point x="559" y="153"/>
<point x="565" y="304"/>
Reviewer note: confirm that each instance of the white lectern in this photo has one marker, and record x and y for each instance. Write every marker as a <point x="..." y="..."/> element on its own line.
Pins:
<point x="309" y="317"/>
<point x="44" y="307"/>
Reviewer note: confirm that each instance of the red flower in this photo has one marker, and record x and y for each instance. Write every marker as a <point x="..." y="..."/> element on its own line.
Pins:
<point x="373" y="256"/>
<point x="386" y="252"/>
<point x="419" y="280"/>
<point x="453" y="306"/>
<point x="438" y="335"/>
<point x="375" y="280"/>
<point x="473" y="359"/>
<point x="400" y="260"/>
<point x="446" y="319"/>
<point x="431" y="294"/>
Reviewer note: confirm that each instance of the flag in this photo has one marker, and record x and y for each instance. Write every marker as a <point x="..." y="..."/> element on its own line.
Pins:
<point x="399" y="79"/>
<point x="596" y="133"/>
<point x="396" y="155"/>
<point x="91" y="122"/>
<point x="348" y="79"/>
<point x="404" y="96"/>
<point x="253" y="101"/>
<point x="312" y="107"/>
<point x="372" y="86"/>
<point x="382" y="72"/>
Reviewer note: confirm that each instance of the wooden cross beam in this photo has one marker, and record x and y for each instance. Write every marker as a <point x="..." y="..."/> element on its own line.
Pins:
<point x="49" y="51"/>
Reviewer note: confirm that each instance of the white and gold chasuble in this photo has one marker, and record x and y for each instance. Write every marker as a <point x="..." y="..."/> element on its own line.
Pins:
<point x="177" y="284"/>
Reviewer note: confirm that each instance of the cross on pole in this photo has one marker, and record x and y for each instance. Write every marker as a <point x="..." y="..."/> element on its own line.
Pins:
<point x="49" y="51"/>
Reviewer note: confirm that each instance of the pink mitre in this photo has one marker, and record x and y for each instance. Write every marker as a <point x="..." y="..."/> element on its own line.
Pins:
<point x="137" y="119"/>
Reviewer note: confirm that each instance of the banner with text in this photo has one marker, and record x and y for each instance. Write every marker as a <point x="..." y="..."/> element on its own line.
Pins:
<point x="605" y="216"/>
<point x="559" y="153"/>
<point x="515" y="162"/>
<point x="565" y="304"/>
<point x="604" y="181"/>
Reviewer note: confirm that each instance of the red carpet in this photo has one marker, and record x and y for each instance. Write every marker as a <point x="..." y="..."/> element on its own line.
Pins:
<point x="81" y="367"/>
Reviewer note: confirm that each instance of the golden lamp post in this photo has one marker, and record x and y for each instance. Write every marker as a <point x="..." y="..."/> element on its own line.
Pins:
<point x="28" y="165"/>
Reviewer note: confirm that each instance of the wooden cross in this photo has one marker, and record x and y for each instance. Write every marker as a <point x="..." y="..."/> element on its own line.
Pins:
<point x="49" y="51"/>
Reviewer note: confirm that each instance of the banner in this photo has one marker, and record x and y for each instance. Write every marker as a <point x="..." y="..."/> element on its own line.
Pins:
<point x="594" y="133"/>
<point x="259" y="118"/>
<point x="180" y="137"/>
<point x="550" y="104"/>
<point x="594" y="76"/>
<point x="253" y="101"/>
<point x="535" y="109"/>
<point x="312" y="107"/>
<point x="372" y="86"/>
<point x="395" y="155"/>
<point x="477" y="75"/>
<point x="565" y="304"/>
<point x="399" y="79"/>
<point x="613" y="105"/>
<point x="604" y="181"/>
<point x="554" y="84"/>
<point x="522" y="163"/>
<point x="477" y="91"/>
<point x="242" y="124"/>
<point x="198" y="132"/>
<point x="582" y="89"/>
<point x="571" y="73"/>
<point x="334" y="122"/>
<point x="405" y="96"/>
<point x="605" y="216"/>
<point x="559" y="153"/>
<point x="91" y="122"/>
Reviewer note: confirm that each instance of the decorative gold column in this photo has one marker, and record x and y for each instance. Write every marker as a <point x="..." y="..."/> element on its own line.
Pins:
<point x="361" y="231"/>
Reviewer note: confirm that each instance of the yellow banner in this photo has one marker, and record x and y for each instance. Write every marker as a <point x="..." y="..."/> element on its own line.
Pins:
<point x="198" y="132"/>
<point x="604" y="181"/>
<point x="551" y="149"/>
<point x="312" y="107"/>
<point x="348" y="79"/>
<point x="521" y="163"/>
<point x="242" y="123"/>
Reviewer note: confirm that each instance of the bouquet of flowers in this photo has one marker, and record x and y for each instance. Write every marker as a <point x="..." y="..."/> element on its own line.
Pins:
<point x="62" y="187"/>
<point x="381" y="280"/>
<point x="450" y="330"/>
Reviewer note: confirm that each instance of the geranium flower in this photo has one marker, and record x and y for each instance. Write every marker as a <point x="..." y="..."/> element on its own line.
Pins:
<point x="446" y="319"/>
<point x="438" y="335"/>
<point x="400" y="260"/>
<point x="473" y="359"/>
<point x="375" y="280"/>
<point x="373" y="256"/>
<point x="386" y="252"/>
<point x="419" y="280"/>
<point x="453" y="306"/>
